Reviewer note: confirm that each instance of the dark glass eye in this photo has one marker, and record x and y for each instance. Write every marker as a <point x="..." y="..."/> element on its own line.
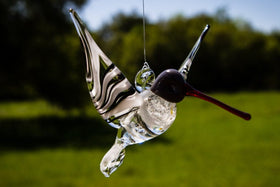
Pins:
<point x="170" y="85"/>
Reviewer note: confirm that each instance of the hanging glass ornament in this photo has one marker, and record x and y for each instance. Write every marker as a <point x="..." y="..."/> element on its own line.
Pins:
<point x="142" y="112"/>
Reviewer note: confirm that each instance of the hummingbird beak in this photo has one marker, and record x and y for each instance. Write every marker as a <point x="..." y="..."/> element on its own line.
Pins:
<point x="190" y="91"/>
<point x="186" y="65"/>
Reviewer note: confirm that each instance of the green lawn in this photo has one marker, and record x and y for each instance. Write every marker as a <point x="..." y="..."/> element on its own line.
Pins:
<point x="43" y="145"/>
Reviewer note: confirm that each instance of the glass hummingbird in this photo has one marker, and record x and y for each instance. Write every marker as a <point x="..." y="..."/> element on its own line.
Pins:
<point x="142" y="112"/>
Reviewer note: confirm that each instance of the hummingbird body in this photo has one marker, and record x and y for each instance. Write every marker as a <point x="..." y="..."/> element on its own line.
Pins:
<point x="142" y="112"/>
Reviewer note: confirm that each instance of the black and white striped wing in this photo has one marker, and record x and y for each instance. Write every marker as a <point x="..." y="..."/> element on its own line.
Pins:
<point x="111" y="92"/>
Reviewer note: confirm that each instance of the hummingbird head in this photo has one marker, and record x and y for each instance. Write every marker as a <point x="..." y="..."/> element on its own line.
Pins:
<point x="170" y="85"/>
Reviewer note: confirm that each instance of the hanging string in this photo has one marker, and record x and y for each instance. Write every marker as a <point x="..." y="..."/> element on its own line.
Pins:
<point x="144" y="31"/>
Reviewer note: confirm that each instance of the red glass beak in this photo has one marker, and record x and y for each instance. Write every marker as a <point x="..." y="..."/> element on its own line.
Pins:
<point x="193" y="92"/>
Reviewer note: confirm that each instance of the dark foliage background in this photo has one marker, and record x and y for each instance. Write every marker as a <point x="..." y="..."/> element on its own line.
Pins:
<point x="42" y="56"/>
<point x="40" y="52"/>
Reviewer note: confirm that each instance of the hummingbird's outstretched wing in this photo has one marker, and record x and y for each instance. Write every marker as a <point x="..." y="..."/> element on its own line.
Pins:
<point x="186" y="65"/>
<point x="111" y="92"/>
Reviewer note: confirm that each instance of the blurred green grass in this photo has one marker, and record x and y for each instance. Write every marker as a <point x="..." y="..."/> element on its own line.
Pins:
<point x="206" y="146"/>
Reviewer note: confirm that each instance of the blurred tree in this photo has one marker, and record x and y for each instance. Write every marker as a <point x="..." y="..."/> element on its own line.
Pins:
<point x="40" y="51"/>
<point x="232" y="57"/>
<point x="42" y="55"/>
